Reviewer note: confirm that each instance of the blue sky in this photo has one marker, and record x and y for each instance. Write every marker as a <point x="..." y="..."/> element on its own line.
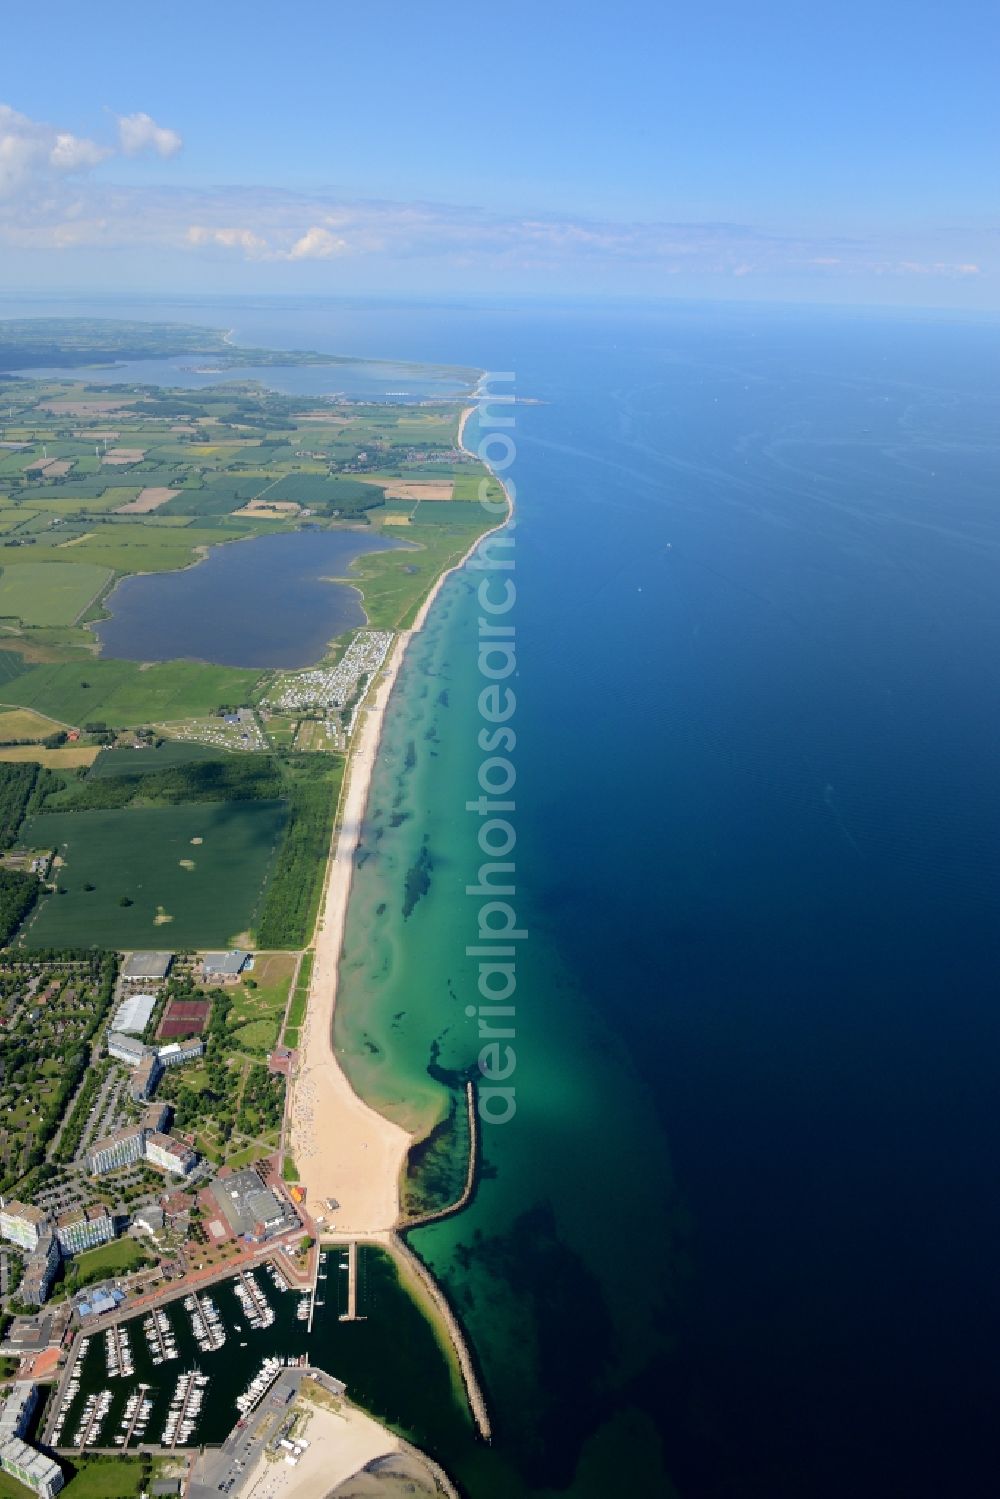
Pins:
<point x="840" y="154"/>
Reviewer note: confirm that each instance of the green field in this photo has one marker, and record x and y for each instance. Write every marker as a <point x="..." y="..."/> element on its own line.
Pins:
<point x="137" y="854"/>
<point x="133" y="763"/>
<point x="42" y="593"/>
<point x="124" y="693"/>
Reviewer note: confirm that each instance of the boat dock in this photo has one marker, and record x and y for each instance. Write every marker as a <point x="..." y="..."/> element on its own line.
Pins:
<point x="351" y="1315"/>
<point x="137" y="1414"/>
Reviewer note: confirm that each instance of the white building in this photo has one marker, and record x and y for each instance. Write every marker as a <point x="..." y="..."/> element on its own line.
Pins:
<point x="123" y="1148"/>
<point x="22" y="1224"/>
<point x="31" y="1467"/>
<point x="84" y="1228"/>
<point x="134" y="1014"/>
<point x="176" y="1052"/>
<point x="17" y="1410"/>
<point x="39" y="1270"/>
<point x="127" y="1049"/>
<point x="169" y="1154"/>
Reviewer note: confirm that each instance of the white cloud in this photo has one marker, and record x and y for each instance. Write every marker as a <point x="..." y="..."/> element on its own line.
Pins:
<point x="36" y="157"/>
<point x="73" y="153"/>
<point x="139" y="132"/>
<point x="229" y="237"/>
<point x="52" y="200"/>
<point x="316" y="244"/>
<point x="33" y="153"/>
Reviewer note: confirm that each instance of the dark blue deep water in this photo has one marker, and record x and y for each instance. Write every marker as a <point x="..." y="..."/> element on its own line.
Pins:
<point x="759" y="626"/>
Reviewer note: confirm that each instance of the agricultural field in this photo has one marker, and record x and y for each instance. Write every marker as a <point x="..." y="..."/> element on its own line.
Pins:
<point x="123" y="693"/>
<point x="394" y="584"/>
<point x="189" y="875"/>
<point x="39" y="593"/>
<point x="62" y="757"/>
<point x="107" y="481"/>
<point x="17" y="723"/>
<point x="126" y="761"/>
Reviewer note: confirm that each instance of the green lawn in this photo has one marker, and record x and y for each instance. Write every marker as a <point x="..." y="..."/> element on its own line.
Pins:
<point x="257" y="1036"/>
<point x="184" y="893"/>
<point x="124" y="693"/>
<point x="105" y="1478"/>
<point x="49" y="593"/>
<point x="117" y="1258"/>
<point x="11" y="1489"/>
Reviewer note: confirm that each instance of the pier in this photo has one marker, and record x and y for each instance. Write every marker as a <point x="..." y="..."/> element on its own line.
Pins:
<point x="317" y="1276"/>
<point x="177" y="1431"/>
<point x="351" y="1315"/>
<point x="136" y="1414"/>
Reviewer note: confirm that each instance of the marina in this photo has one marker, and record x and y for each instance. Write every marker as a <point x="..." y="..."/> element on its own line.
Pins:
<point x="184" y="1396"/>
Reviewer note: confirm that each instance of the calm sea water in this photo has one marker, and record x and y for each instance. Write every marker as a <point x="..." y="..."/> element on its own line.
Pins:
<point x="739" y="1238"/>
<point x="268" y="601"/>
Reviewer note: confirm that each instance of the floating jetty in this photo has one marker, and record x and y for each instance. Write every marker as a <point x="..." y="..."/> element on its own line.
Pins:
<point x="160" y="1337"/>
<point x="185" y="1408"/>
<point x="206" y="1324"/>
<point x="135" y="1419"/>
<point x="118" y="1353"/>
<point x="256" y="1307"/>
<point x="92" y="1418"/>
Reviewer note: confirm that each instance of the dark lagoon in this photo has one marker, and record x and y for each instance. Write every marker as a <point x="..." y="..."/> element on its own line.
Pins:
<point x="265" y="602"/>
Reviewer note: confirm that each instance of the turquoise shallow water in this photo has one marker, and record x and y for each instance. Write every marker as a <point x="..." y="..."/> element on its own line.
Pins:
<point x="548" y="1272"/>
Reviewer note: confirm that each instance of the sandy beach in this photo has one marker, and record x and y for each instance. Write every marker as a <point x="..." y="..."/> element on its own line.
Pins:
<point x="345" y="1152"/>
<point x="341" y="1442"/>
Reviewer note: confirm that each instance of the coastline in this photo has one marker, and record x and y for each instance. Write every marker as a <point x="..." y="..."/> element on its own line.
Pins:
<point x="345" y="1151"/>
